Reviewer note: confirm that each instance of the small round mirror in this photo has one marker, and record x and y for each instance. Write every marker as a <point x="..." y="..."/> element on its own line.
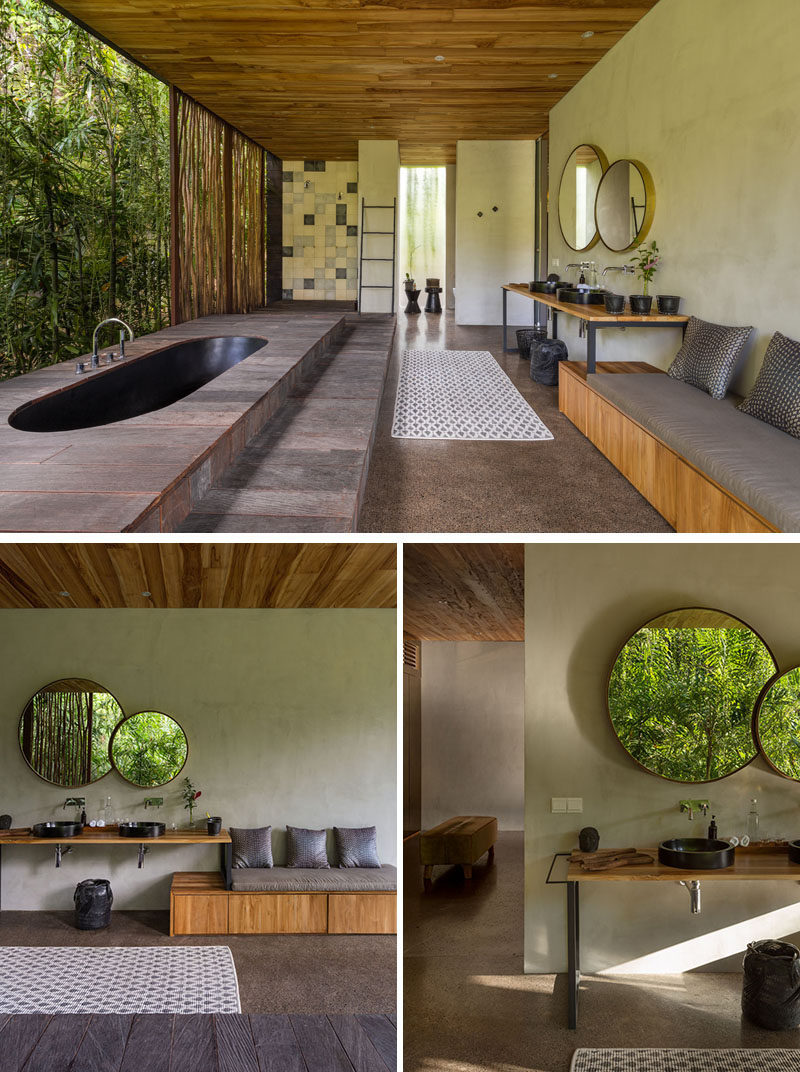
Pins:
<point x="625" y="205"/>
<point x="65" y="730"/>
<point x="682" y="691"/>
<point x="149" y="749"/>
<point x="776" y="724"/>
<point x="576" y="196"/>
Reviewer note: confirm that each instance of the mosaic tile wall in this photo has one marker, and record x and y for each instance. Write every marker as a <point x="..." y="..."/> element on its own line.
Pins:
<point x="320" y="230"/>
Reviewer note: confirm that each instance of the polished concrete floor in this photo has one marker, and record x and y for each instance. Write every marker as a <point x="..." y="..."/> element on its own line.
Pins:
<point x="563" y="485"/>
<point x="469" y="1008"/>
<point x="278" y="973"/>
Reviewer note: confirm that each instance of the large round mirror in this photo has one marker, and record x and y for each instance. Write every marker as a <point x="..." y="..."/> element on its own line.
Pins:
<point x="149" y="749"/>
<point x="776" y="724"/>
<point x="625" y="204"/>
<point x="682" y="691"/>
<point x="576" y="196"/>
<point x="65" y="730"/>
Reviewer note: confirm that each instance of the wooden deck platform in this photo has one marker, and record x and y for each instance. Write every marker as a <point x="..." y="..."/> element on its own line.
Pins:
<point x="147" y="473"/>
<point x="306" y="472"/>
<point x="229" y="1043"/>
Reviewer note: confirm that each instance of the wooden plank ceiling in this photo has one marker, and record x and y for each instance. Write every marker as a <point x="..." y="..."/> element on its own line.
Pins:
<point x="462" y="591"/>
<point x="308" y="78"/>
<point x="206" y="575"/>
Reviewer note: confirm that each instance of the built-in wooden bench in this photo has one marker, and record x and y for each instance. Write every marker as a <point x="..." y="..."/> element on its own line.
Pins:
<point x="689" y="499"/>
<point x="461" y="840"/>
<point x="200" y="904"/>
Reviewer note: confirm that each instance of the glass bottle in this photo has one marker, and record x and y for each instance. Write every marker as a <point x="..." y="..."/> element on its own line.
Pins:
<point x="752" y="821"/>
<point x="108" y="812"/>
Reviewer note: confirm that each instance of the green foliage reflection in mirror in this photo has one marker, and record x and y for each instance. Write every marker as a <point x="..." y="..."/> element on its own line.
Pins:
<point x="149" y="749"/>
<point x="65" y="730"/>
<point x="682" y="691"/>
<point x="776" y="724"/>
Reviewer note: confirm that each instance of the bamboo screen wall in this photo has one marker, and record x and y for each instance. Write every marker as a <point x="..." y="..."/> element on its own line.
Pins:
<point x="217" y="213"/>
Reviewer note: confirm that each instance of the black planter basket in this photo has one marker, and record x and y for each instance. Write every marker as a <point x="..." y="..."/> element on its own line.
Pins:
<point x="668" y="304"/>
<point x="771" y="985"/>
<point x="614" y="303"/>
<point x="640" y="304"/>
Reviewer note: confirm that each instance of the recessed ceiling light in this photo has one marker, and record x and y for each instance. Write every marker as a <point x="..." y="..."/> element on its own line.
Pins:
<point x="588" y="33"/>
<point x="146" y="595"/>
<point x="439" y="59"/>
<point x="64" y="594"/>
<point x="552" y="76"/>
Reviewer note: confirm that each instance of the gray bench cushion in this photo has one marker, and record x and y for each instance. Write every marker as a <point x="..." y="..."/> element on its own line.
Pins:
<point x="315" y="879"/>
<point x="757" y="463"/>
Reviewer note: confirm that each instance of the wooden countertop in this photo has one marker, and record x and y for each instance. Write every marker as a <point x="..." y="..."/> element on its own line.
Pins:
<point x="109" y="835"/>
<point x="593" y="313"/>
<point x="766" y="864"/>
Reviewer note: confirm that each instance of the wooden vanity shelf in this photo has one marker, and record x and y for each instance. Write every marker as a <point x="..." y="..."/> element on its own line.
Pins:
<point x="200" y="904"/>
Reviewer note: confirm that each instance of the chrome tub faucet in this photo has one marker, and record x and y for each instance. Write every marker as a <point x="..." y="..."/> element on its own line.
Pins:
<point x="95" y="363"/>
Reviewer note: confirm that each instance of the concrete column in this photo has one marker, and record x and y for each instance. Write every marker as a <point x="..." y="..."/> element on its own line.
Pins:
<point x="378" y="166"/>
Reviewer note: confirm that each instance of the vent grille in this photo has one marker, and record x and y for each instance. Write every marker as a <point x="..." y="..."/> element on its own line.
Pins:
<point x="412" y="653"/>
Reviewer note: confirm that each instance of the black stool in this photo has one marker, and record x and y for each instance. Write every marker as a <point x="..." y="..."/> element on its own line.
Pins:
<point x="433" y="305"/>
<point x="413" y="306"/>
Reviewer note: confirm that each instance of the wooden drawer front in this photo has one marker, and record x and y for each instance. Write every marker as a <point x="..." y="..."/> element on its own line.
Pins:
<point x="704" y="507"/>
<point x="362" y="913"/>
<point x="278" y="913"/>
<point x="199" y="913"/>
<point x="572" y="398"/>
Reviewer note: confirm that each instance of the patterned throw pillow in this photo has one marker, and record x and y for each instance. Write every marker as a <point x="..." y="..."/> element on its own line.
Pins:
<point x="775" y="396"/>
<point x="708" y="356"/>
<point x="305" y="848"/>
<point x="252" y="847"/>
<point x="356" y="846"/>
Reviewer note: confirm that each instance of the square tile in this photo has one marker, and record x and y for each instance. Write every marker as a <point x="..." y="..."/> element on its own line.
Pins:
<point x="341" y="273"/>
<point x="341" y="213"/>
<point x="308" y="219"/>
<point x="286" y="295"/>
<point x="308" y="283"/>
<point x="287" y="251"/>
<point x="352" y="231"/>
<point x="330" y="262"/>
<point x="352" y="187"/>
<point x="288" y="176"/>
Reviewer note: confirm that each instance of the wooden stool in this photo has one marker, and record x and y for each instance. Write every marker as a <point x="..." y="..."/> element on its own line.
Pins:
<point x="461" y="840"/>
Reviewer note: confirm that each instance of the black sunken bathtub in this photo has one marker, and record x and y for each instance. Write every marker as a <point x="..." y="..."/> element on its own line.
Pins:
<point x="139" y="386"/>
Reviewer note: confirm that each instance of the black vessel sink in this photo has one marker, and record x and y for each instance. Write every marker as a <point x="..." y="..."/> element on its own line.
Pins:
<point x="544" y="286"/>
<point x="581" y="297"/>
<point x="56" y="830"/>
<point x="142" y="830"/>
<point x="794" y="852"/>
<point x="696" y="854"/>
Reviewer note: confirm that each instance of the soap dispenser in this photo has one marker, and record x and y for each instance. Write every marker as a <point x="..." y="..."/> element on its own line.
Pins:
<point x="752" y="821"/>
<point x="712" y="829"/>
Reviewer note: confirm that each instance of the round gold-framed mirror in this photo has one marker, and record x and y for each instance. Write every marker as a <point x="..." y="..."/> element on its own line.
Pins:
<point x="682" y="690"/>
<point x="580" y="179"/>
<point x="776" y="723"/>
<point x="625" y="205"/>
<point x="65" y="729"/>
<point x="148" y="749"/>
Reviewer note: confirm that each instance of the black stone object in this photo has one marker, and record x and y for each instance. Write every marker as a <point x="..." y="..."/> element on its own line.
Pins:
<point x="588" y="839"/>
<point x="214" y="825"/>
<point x="433" y="304"/>
<point x="668" y="304"/>
<point x="5" y="822"/>
<point x="93" y="899"/>
<point x="413" y="304"/>
<point x="545" y="358"/>
<point x="614" y="303"/>
<point x="640" y="304"/>
<point x="771" y="985"/>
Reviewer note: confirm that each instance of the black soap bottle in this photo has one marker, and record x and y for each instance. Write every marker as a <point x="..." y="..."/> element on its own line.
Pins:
<point x="712" y="828"/>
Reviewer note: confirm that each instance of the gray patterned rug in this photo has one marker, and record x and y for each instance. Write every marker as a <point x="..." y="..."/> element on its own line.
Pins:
<point x="685" y="1061"/>
<point x="140" y="979"/>
<point x="460" y="394"/>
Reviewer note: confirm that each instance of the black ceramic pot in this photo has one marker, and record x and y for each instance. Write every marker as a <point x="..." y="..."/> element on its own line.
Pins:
<point x="214" y="825"/>
<point x="640" y="304"/>
<point x="668" y="304"/>
<point x="614" y="303"/>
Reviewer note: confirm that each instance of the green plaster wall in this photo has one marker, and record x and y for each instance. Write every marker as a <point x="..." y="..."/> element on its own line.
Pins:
<point x="290" y="715"/>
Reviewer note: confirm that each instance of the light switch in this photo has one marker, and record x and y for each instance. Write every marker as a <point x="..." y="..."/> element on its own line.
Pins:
<point x="574" y="803"/>
<point x="558" y="804"/>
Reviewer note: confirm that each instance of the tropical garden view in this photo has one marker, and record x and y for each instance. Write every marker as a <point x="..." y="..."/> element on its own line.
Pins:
<point x="84" y="170"/>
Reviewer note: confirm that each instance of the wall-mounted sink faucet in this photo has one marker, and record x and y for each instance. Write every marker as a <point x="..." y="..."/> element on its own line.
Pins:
<point x="75" y="802"/>
<point x="626" y="269"/>
<point x="695" y="805"/>
<point x="153" y="802"/>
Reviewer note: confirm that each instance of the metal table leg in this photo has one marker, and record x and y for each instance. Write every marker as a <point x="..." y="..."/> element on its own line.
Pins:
<point x="555" y="324"/>
<point x="573" y="952"/>
<point x="591" y="348"/>
<point x="505" y="322"/>
<point x="226" y="863"/>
